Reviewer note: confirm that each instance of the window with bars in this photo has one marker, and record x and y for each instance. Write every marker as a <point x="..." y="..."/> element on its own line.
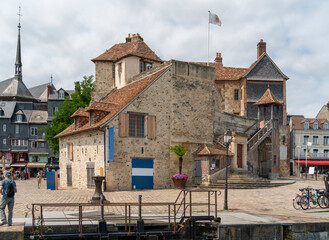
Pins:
<point x="136" y="125"/>
<point x="236" y="94"/>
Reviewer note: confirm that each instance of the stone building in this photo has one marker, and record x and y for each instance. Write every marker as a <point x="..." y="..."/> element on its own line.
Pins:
<point x="309" y="144"/>
<point x="127" y="130"/>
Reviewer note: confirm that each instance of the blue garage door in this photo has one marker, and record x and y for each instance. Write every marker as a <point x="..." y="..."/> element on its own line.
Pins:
<point x="142" y="173"/>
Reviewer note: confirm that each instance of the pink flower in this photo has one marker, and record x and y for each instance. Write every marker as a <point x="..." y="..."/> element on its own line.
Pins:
<point x="179" y="176"/>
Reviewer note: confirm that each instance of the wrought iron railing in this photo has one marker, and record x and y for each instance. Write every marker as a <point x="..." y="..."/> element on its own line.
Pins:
<point x="260" y="135"/>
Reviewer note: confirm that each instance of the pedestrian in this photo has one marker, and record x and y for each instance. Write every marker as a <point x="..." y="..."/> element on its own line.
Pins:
<point x="39" y="178"/>
<point x="24" y="174"/>
<point x="8" y="190"/>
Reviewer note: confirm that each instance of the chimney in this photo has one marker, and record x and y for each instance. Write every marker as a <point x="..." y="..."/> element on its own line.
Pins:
<point x="261" y="48"/>
<point x="134" y="38"/>
<point x="48" y="89"/>
<point x="219" y="59"/>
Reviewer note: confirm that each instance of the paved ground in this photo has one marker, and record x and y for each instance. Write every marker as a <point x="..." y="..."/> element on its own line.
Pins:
<point x="275" y="204"/>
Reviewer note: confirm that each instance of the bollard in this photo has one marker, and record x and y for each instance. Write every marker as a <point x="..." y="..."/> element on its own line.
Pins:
<point x="102" y="222"/>
<point x="98" y="189"/>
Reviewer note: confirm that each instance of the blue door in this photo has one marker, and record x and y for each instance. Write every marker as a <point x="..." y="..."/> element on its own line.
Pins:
<point x="142" y="173"/>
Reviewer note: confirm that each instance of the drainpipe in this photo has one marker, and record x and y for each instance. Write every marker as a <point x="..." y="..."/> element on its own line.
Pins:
<point x="104" y="131"/>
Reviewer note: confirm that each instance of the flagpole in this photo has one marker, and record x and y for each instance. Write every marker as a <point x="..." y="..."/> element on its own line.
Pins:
<point x="208" y="35"/>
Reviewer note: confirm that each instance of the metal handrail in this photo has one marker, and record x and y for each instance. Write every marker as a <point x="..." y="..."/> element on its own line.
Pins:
<point x="179" y="205"/>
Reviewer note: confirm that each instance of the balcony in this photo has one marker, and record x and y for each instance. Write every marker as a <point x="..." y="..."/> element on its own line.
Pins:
<point x="313" y="156"/>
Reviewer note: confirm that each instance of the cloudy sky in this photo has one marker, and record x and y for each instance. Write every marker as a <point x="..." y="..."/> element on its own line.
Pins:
<point x="60" y="37"/>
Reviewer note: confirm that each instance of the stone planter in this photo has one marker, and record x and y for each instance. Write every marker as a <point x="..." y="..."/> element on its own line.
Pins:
<point x="179" y="183"/>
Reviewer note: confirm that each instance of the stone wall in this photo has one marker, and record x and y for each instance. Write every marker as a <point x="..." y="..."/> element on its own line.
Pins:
<point x="227" y="90"/>
<point x="104" y="81"/>
<point x="88" y="147"/>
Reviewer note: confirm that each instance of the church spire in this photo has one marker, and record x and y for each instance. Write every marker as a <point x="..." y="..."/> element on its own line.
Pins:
<point x="18" y="63"/>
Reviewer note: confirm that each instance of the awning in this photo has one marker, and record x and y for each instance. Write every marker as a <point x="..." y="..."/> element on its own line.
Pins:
<point x="18" y="165"/>
<point x="36" y="165"/>
<point x="313" y="162"/>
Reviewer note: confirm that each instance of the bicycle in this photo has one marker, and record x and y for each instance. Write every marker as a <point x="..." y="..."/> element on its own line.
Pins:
<point x="297" y="199"/>
<point x="312" y="200"/>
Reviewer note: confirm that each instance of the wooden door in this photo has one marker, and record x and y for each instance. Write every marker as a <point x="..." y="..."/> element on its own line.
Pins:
<point x="69" y="175"/>
<point x="90" y="174"/>
<point x="239" y="156"/>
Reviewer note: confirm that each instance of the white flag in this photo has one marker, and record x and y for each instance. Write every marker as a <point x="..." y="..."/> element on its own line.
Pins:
<point x="214" y="19"/>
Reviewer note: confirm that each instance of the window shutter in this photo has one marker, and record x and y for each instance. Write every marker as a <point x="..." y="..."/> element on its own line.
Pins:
<point x="71" y="151"/>
<point x="123" y="125"/>
<point x="111" y="144"/>
<point x="151" y="127"/>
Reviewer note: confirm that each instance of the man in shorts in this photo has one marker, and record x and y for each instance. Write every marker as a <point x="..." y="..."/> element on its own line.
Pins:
<point x="8" y="190"/>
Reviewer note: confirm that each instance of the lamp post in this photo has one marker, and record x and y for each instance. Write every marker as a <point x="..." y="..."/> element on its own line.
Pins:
<point x="309" y="144"/>
<point x="298" y="154"/>
<point x="227" y="140"/>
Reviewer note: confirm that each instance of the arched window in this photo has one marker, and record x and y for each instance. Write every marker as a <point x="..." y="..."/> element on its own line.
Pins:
<point x="306" y="125"/>
<point x="315" y="125"/>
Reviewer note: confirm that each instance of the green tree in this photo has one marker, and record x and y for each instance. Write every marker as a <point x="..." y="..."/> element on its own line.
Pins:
<point x="180" y="151"/>
<point x="80" y="98"/>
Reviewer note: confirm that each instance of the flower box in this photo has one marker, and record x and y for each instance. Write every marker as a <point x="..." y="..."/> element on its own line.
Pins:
<point x="179" y="180"/>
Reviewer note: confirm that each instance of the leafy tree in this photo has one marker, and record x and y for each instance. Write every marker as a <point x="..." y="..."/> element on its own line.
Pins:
<point x="80" y="98"/>
<point x="180" y="151"/>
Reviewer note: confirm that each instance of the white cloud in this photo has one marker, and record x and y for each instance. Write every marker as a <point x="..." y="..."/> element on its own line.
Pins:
<point x="60" y="37"/>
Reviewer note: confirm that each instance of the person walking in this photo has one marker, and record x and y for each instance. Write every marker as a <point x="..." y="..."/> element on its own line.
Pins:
<point x="39" y="178"/>
<point x="8" y="190"/>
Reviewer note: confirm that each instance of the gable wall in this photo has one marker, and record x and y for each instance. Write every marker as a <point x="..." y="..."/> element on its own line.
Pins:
<point x="323" y="114"/>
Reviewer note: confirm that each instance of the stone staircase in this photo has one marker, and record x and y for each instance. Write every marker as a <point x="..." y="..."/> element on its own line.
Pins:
<point x="260" y="135"/>
<point x="246" y="181"/>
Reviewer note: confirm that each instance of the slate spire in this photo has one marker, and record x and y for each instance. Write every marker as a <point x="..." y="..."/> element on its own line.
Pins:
<point x="18" y="63"/>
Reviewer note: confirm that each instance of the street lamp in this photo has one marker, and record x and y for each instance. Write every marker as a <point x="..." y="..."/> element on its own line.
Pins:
<point x="298" y="154"/>
<point x="227" y="140"/>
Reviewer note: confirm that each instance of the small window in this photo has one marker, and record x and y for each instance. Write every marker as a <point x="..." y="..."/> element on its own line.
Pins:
<point x="4" y="127"/>
<point x="315" y="140"/>
<point x="136" y="125"/>
<point x="61" y="94"/>
<point x="326" y="140"/>
<point x="315" y="152"/>
<point x="4" y="141"/>
<point x="113" y="70"/>
<point x="42" y="144"/>
<point x="148" y="66"/>
<point x="326" y="153"/>
<point x="326" y="126"/>
<point x="34" y="131"/>
<point x="55" y="110"/>
<point x="315" y="125"/>
<point x="306" y="125"/>
<point x="34" y="144"/>
<point x="19" y="118"/>
<point x="70" y="151"/>
<point x="236" y="94"/>
<point x="141" y="66"/>
<point x="17" y="129"/>
<point x="306" y="139"/>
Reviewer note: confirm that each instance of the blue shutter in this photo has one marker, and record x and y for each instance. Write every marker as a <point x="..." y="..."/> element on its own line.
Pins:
<point x="111" y="144"/>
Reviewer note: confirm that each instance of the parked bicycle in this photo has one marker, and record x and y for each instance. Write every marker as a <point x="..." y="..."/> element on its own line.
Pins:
<point x="312" y="200"/>
<point x="297" y="199"/>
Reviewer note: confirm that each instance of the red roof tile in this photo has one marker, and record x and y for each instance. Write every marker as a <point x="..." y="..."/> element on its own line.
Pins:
<point x="268" y="98"/>
<point x="117" y="99"/>
<point x="298" y="123"/>
<point x="80" y="113"/>
<point x="226" y="73"/>
<point x="137" y="48"/>
<point x="100" y="106"/>
<point x="210" y="150"/>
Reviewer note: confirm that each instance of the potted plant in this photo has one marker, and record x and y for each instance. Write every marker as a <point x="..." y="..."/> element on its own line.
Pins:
<point x="179" y="179"/>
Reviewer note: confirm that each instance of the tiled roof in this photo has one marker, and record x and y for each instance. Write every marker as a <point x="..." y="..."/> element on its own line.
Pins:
<point x="298" y="123"/>
<point x="138" y="48"/>
<point x="211" y="150"/>
<point x="117" y="99"/>
<point x="226" y="73"/>
<point x="100" y="106"/>
<point x="268" y="98"/>
<point x="80" y="113"/>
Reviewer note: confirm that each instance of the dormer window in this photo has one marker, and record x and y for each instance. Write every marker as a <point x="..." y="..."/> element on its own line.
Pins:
<point x="306" y="125"/>
<point x="315" y="125"/>
<point x="92" y="118"/>
<point x="326" y="126"/>
<point x="143" y="66"/>
<point x="61" y="95"/>
<point x="19" y="118"/>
